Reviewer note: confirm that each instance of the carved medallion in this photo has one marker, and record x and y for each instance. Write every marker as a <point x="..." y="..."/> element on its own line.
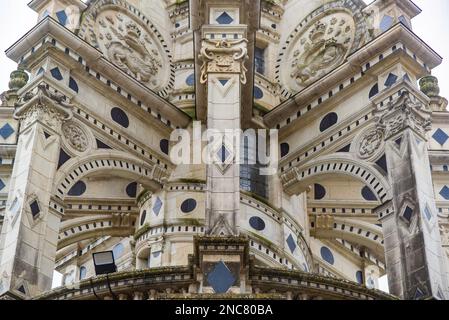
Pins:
<point x="131" y="42"/>
<point x="75" y="136"/>
<point x="370" y="144"/>
<point x="319" y="44"/>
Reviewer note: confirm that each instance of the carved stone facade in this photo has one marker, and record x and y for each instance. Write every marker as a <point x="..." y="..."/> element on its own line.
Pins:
<point x="360" y="189"/>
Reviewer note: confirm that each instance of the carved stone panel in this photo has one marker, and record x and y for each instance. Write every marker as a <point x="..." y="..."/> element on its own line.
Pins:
<point x="319" y="44"/>
<point x="131" y="42"/>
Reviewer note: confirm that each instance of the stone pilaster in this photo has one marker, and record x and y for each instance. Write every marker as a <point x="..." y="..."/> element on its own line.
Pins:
<point x="223" y="72"/>
<point x="414" y="257"/>
<point x="30" y="231"/>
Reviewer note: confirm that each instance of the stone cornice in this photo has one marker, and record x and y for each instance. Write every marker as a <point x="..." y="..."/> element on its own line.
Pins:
<point x="398" y="33"/>
<point x="50" y="27"/>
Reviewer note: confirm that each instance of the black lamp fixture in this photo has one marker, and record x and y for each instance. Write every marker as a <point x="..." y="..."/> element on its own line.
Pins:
<point x="104" y="262"/>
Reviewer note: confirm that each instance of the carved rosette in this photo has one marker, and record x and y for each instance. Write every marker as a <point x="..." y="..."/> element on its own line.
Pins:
<point x="40" y="104"/>
<point x="75" y="136"/>
<point x="370" y="143"/>
<point x="224" y="57"/>
<point x="405" y="111"/>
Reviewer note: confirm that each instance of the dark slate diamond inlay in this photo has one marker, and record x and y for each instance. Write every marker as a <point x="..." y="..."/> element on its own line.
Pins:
<point x="224" y="18"/>
<point x="2" y="185"/>
<point x="391" y="80"/>
<point x="223" y="153"/>
<point x="6" y="131"/>
<point x="157" y="206"/>
<point x="221" y="278"/>
<point x="291" y="243"/>
<point x="445" y="192"/>
<point x="408" y="213"/>
<point x="35" y="210"/>
<point x="62" y="17"/>
<point x="440" y="136"/>
<point x="428" y="213"/>
<point x="223" y="81"/>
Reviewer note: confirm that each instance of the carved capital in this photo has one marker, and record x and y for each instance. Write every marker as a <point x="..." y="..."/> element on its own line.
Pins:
<point x="224" y="56"/>
<point x="40" y="104"/>
<point x="404" y="112"/>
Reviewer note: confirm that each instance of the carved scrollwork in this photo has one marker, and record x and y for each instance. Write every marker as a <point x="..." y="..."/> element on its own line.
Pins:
<point x="370" y="143"/>
<point x="224" y="57"/>
<point x="41" y="104"/>
<point x="406" y="111"/>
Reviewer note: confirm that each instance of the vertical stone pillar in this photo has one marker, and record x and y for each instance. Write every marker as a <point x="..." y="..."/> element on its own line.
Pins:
<point x="414" y="257"/>
<point x="30" y="230"/>
<point x="223" y="72"/>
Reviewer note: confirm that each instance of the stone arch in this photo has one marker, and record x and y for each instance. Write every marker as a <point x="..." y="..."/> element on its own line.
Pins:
<point x="111" y="162"/>
<point x="76" y="230"/>
<point x="297" y="179"/>
<point x="360" y="232"/>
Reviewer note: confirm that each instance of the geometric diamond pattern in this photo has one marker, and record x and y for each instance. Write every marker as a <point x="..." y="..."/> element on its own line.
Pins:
<point x="445" y="192"/>
<point x="440" y="136"/>
<point x="291" y="243"/>
<point x="6" y="131"/>
<point x="62" y="17"/>
<point x="157" y="206"/>
<point x="221" y="278"/>
<point x="2" y="185"/>
<point x="223" y="153"/>
<point x="408" y="213"/>
<point x="391" y="79"/>
<point x="224" y="18"/>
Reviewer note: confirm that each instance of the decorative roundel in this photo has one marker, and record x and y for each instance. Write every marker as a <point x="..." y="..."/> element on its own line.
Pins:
<point x="320" y="191"/>
<point x="190" y="81"/>
<point x="119" y="116"/>
<point x="368" y="195"/>
<point x="188" y="206"/>
<point x="131" y="42"/>
<point x="78" y="189"/>
<point x="328" y="121"/>
<point x="359" y="277"/>
<point x="285" y="149"/>
<point x="131" y="190"/>
<point x="143" y="217"/>
<point x="257" y="223"/>
<point x="258" y="93"/>
<point x="165" y="146"/>
<point x="320" y="43"/>
<point x="327" y="255"/>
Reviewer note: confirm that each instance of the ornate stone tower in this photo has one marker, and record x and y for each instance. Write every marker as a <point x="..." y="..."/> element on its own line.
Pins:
<point x="360" y="189"/>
